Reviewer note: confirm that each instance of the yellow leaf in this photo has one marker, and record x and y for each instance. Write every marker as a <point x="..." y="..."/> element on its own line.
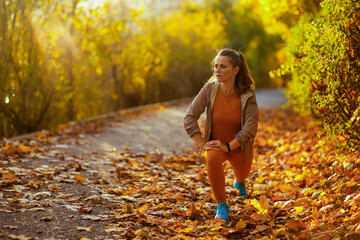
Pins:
<point x="298" y="210"/>
<point x="260" y="179"/>
<point x="217" y="228"/>
<point x="25" y="148"/>
<point x="5" y="148"/>
<point x="143" y="208"/>
<point x="258" y="206"/>
<point x="186" y="230"/>
<point x="80" y="178"/>
<point x="142" y="234"/>
<point x="161" y="108"/>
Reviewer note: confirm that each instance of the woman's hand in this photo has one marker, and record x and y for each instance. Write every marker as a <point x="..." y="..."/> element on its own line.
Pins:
<point x="215" y="145"/>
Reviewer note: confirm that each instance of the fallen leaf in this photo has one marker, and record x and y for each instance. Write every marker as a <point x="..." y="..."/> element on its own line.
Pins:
<point x="240" y="224"/>
<point x="90" y="217"/>
<point x="298" y="210"/>
<point x="186" y="230"/>
<point x="10" y="227"/>
<point x="142" y="209"/>
<point x="20" y="237"/>
<point x="278" y="198"/>
<point x="80" y="178"/>
<point x="142" y="234"/>
<point x="295" y="225"/>
<point x="264" y="203"/>
<point x="114" y="229"/>
<point x="257" y="205"/>
<point x="25" y="148"/>
<point x="87" y="229"/>
<point x="194" y="212"/>
<point x="85" y="209"/>
<point x="46" y="219"/>
<point x="8" y="175"/>
<point x="129" y="208"/>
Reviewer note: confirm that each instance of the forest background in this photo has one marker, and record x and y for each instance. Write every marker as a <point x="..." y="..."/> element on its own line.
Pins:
<point x="68" y="60"/>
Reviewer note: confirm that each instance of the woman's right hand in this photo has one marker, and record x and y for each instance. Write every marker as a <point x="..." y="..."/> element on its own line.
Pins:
<point x="210" y="146"/>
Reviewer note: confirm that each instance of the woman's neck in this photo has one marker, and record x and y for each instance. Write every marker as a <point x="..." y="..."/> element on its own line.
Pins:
<point x="227" y="87"/>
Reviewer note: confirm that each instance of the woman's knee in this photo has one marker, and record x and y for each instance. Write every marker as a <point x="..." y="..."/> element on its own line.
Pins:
<point x="214" y="157"/>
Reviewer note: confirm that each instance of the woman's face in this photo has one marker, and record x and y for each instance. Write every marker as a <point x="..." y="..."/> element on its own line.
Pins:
<point x="224" y="70"/>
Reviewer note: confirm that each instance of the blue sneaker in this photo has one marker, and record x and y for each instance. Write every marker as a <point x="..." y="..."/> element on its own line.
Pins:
<point x="222" y="211"/>
<point x="241" y="188"/>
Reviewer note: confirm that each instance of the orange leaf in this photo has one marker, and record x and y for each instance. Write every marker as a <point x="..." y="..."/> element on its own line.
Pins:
<point x="80" y="178"/>
<point x="9" y="149"/>
<point x="278" y="198"/>
<point x="295" y="225"/>
<point x="264" y="202"/>
<point x="8" y="175"/>
<point x="62" y="127"/>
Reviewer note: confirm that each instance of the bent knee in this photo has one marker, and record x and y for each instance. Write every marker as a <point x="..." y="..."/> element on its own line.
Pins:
<point x="213" y="156"/>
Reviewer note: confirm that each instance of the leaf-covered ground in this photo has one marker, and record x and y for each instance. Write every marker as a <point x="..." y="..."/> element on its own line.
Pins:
<point x="298" y="189"/>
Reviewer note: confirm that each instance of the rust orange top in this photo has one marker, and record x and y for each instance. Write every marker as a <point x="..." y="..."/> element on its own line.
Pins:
<point x="226" y="117"/>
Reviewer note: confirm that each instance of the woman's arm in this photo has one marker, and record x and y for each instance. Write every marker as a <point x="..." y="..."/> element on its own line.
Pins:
<point x="195" y="109"/>
<point x="217" y="145"/>
<point x="199" y="140"/>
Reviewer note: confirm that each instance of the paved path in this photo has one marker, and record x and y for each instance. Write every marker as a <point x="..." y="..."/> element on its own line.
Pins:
<point x="161" y="131"/>
<point x="269" y="98"/>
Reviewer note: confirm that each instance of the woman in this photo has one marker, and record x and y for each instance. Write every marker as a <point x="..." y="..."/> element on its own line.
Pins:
<point x="231" y="124"/>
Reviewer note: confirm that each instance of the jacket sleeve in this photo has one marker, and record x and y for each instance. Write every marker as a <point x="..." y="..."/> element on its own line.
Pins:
<point x="251" y="114"/>
<point x="195" y="109"/>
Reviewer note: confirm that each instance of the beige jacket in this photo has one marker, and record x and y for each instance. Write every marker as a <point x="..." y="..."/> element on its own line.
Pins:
<point x="206" y="99"/>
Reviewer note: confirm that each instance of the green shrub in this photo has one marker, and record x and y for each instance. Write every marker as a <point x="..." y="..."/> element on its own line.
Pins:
<point x="325" y="74"/>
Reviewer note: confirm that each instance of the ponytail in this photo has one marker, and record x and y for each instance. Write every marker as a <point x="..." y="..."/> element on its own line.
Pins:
<point x="243" y="79"/>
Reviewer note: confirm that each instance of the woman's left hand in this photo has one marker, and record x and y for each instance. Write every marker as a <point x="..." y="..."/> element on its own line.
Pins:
<point x="216" y="144"/>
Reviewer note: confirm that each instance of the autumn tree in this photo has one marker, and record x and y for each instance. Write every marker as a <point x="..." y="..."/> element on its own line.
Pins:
<point x="325" y="73"/>
<point x="245" y="31"/>
<point x="26" y="87"/>
<point x="269" y="32"/>
<point x="193" y="35"/>
<point x="65" y="60"/>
